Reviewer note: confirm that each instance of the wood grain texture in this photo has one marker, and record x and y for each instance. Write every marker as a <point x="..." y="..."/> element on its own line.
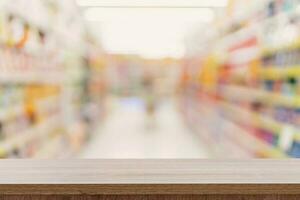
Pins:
<point x="146" y="189"/>
<point x="149" y="177"/>
<point x="150" y="197"/>
<point x="148" y="171"/>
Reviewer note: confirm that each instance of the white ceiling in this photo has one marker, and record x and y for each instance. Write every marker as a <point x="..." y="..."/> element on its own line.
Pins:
<point x="150" y="28"/>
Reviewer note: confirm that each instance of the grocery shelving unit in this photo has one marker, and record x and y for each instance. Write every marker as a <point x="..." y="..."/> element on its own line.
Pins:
<point x="250" y="79"/>
<point x="45" y="55"/>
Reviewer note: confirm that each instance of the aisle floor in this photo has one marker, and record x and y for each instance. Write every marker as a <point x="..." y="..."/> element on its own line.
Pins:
<point x="124" y="134"/>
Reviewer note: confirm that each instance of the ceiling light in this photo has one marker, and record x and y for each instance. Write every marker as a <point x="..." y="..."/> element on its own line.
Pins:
<point x="149" y="14"/>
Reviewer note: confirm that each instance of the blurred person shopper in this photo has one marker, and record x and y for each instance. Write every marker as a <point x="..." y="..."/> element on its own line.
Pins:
<point x="150" y="100"/>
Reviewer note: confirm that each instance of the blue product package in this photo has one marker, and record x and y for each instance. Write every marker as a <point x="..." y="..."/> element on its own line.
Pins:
<point x="297" y="113"/>
<point x="295" y="150"/>
<point x="268" y="85"/>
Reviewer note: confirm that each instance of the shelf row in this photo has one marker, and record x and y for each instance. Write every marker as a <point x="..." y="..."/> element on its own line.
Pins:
<point x="227" y="138"/>
<point x="248" y="94"/>
<point x="23" y="138"/>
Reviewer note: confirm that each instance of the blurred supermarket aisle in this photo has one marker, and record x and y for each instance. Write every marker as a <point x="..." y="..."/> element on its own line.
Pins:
<point x="234" y="67"/>
<point x="125" y="134"/>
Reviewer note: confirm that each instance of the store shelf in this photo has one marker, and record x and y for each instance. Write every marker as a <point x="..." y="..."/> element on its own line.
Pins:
<point x="232" y="132"/>
<point x="44" y="20"/>
<point x="247" y="94"/>
<point x="21" y="139"/>
<point x="51" y="149"/>
<point x="266" y="51"/>
<point x="279" y="73"/>
<point x="31" y="78"/>
<point x="256" y="81"/>
<point x="255" y="28"/>
<point x="251" y="143"/>
<point x="46" y="58"/>
<point x="258" y="120"/>
<point x="11" y="111"/>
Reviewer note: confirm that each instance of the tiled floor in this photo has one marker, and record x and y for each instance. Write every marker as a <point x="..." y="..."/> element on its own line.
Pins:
<point x="126" y="134"/>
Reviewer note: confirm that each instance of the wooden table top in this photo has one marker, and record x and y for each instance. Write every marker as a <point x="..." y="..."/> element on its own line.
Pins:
<point x="149" y="176"/>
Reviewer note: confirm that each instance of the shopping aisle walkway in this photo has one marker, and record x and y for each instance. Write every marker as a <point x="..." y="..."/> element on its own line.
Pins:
<point x="125" y="135"/>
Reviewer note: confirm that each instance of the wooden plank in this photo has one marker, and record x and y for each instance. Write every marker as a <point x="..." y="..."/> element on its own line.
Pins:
<point x="153" y="189"/>
<point x="149" y="177"/>
<point x="151" y="197"/>
<point x="139" y="171"/>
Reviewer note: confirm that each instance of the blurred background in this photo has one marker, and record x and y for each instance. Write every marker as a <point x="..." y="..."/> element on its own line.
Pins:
<point x="149" y="79"/>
